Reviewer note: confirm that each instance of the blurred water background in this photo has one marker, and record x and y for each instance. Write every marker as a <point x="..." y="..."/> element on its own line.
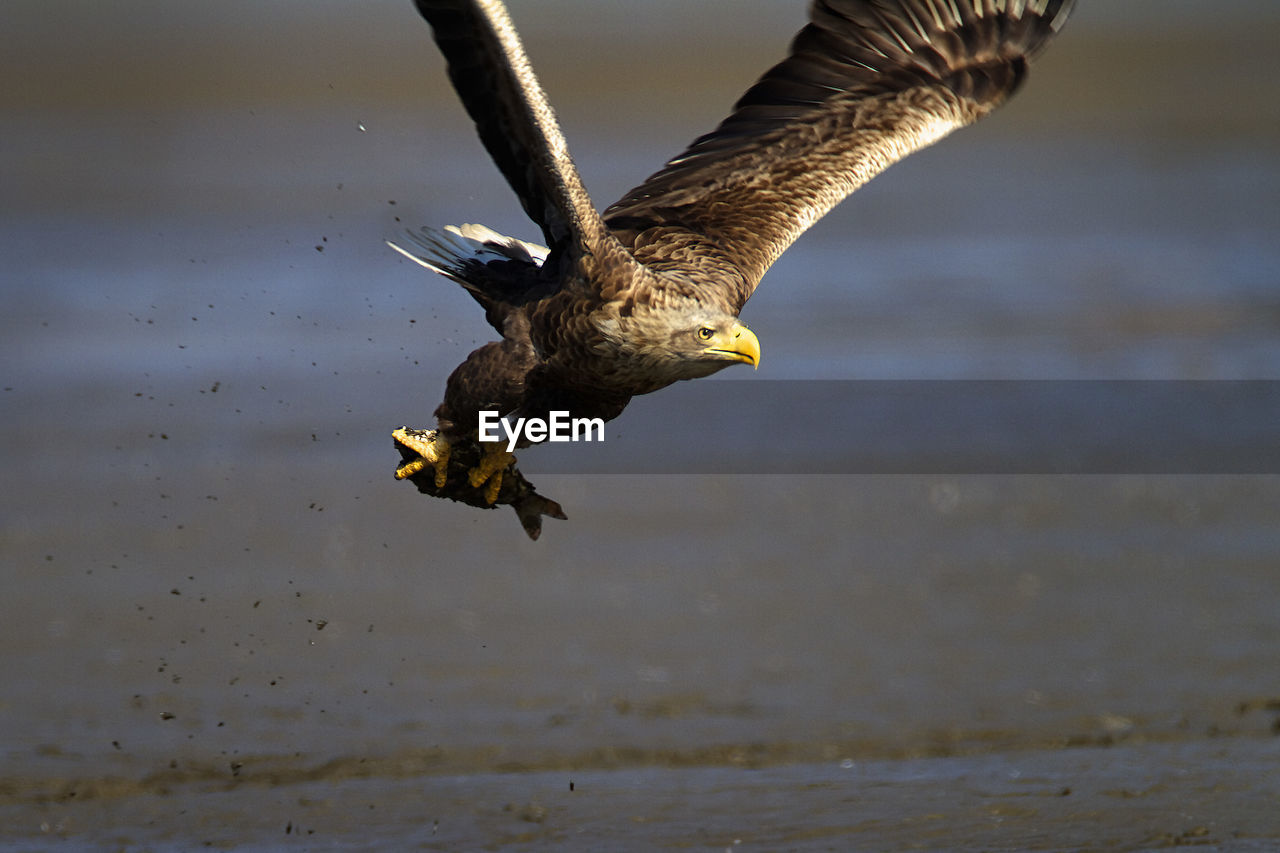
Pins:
<point x="225" y="623"/>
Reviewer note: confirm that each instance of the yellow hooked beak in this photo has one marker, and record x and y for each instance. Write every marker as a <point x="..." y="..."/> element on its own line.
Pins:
<point x="739" y="344"/>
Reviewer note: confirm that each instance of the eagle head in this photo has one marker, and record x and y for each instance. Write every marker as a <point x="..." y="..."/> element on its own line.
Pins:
<point x="716" y="342"/>
<point x="683" y="341"/>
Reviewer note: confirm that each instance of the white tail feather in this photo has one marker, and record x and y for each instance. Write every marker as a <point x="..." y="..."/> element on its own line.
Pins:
<point x="450" y="250"/>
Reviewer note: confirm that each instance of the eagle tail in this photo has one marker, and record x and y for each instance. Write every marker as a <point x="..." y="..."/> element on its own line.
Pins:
<point x="463" y="253"/>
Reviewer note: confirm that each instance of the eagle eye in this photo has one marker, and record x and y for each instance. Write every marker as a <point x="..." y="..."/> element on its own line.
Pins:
<point x="706" y="334"/>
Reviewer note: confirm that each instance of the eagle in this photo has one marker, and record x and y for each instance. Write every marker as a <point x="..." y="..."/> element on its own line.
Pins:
<point x="649" y="292"/>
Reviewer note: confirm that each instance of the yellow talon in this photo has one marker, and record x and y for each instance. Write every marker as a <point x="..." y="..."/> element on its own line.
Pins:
<point x="432" y="448"/>
<point x="410" y="468"/>
<point x="492" y="488"/>
<point x="488" y="472"/>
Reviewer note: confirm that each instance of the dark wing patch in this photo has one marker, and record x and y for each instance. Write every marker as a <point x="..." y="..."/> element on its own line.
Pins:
<point x="866" y="83"/>
<point x="489" y="70"/>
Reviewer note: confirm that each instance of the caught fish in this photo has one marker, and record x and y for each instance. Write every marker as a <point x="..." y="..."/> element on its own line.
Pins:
<point x="452" y="479"/>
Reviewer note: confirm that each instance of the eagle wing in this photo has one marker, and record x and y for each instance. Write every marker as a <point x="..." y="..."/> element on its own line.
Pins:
<point x="866" y="83"/>
<point x="491" y="73"/>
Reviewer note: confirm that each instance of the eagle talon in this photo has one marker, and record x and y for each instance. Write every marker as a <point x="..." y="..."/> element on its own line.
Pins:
<point x="432" y="448"/>
<point x="410" y="468"/>
<point x="488" y="472"/>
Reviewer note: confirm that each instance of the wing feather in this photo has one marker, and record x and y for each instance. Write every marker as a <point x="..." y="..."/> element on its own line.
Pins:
<point x="491" y="73"/>
<point x="866" y="83"/>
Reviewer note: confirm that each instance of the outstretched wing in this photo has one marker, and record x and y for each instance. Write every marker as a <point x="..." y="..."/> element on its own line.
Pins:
<point x="491" y="73"/>
<point x="866" y="83"/>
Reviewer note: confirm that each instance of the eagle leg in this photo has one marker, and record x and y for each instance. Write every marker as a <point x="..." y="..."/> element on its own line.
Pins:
<point x="432" y="449"/>
<point x="488" y="472"/>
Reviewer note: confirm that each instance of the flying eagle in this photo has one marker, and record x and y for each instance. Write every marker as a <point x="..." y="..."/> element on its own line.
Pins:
<point x="648" y="293"/>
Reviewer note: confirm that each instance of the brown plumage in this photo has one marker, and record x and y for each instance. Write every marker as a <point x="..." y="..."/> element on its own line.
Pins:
<point x="649" y="293"/>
